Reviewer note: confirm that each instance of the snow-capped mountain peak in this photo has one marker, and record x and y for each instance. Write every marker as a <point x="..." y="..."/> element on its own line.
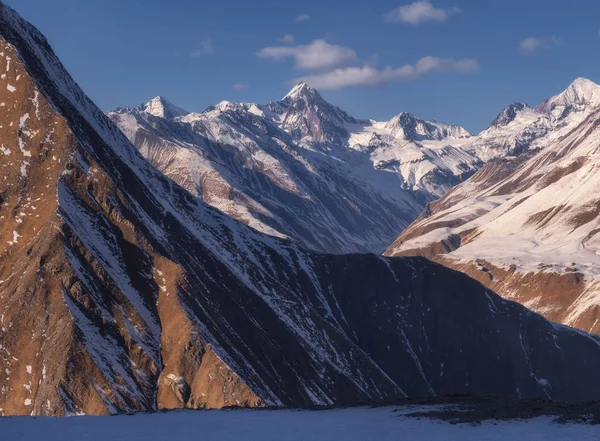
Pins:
<point x="584" y="89"/>
<point x="509" y="114"/>
<point x="225" y="105"/>
<point x="308" y="101"/>
<point x="162" y="108"/>
<point x="407" y="126"/>
<point x="581" y="94"/>
<point x="308" y="117"/>
<point x="301" y="91"/>
<point x="519" y="128"/>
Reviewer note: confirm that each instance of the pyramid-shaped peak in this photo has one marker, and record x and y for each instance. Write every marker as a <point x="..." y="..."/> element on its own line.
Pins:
<point x="225" y="106"/>
<point x="404" y="116"/>
<point x="163" y="108"/>
<point x="301" y="90"/>
<point x="583" y="84"/>
<point x="403" y="119"/>
<point x="584" y="89"/>
<point x="581" y="93"/>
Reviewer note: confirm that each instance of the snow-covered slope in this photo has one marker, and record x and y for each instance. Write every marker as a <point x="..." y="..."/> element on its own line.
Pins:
<point x="302" y="168"/>
<point x="352" y="424"/>
<point x="120" y="291"/>
<point x="426" y="154"/>
<point x="529" y="226"/>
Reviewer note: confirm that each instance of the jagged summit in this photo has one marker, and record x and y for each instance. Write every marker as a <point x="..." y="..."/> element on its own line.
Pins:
<point x="406" y="126"/>
<point x="509" y="114"/>
<point x="225" y="105"/>
<point x="307" y="99"/>
<point x="428" y="156"/>
<point x="305" y="114"/>
<point x="520" y="128"/>
<point x="301" y="89"/>
<point x="163" y="108"/>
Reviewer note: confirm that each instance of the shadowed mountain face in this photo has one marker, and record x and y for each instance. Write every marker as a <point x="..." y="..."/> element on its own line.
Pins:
<point x="120" y="291"/>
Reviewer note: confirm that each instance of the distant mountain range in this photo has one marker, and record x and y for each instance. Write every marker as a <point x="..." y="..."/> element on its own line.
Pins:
<point x="304" y="169"/>
<point x="121" y="291"/>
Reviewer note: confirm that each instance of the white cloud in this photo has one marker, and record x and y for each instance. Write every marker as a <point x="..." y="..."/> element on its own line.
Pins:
<point x="371" y="76"/>
<point x="206" y="48"/>
<point x="302" y="17"/>
<point x="533" y="44"/>
<point x="240" y="86"/>
<point x="418" y="12"/>
<point x="317" y="55"/>
<point x="287" y="39"/>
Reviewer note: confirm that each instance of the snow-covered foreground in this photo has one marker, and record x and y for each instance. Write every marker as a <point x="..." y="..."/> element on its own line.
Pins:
<point x="389" y="423"/>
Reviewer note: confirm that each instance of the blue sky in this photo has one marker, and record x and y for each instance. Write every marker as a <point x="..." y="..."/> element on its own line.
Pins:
<point x="488" y="53"/>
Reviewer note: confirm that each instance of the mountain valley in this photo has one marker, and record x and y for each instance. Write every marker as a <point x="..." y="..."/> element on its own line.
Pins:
<point x="155" y="259"/>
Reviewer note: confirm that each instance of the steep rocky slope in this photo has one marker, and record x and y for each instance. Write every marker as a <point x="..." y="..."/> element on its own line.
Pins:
<point x="526" y="227"/>
<point x="120" y="291"/>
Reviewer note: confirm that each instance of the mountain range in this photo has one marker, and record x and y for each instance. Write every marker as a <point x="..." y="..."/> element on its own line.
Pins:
<point x="123" y="289"/>
<point x="244" y="164"/>
<point x="300" y="167"/>
<point x="304" y="169"/>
